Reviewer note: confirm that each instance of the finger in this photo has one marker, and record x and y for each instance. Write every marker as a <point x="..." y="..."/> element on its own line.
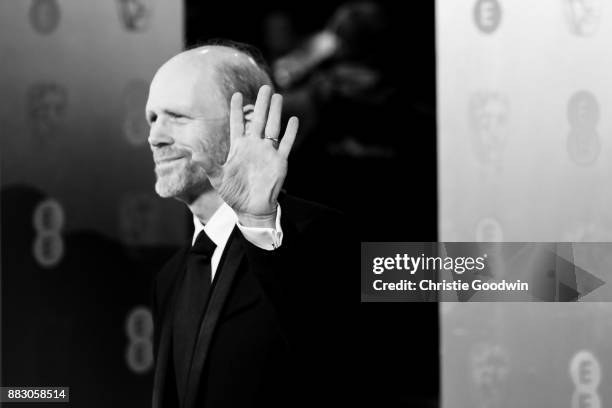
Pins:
<point x="236" y="118"/>
<point x="248" y="118"/>
<point x="273" y="125"/>
<point x="286" y="142"/>
<point x="261" y="111"/>
<point x="247" y="110"/>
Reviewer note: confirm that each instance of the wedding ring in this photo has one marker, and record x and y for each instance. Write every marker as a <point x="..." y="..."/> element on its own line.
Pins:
<point x="271" y="138"/>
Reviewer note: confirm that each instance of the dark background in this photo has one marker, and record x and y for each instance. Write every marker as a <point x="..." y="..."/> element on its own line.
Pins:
<point x="389" y="197"/>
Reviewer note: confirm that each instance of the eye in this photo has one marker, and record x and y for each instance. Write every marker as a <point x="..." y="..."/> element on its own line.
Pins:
<point x="174" y="115"/>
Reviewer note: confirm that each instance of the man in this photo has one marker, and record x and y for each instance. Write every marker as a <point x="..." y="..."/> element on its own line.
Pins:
<point x="243" y="314"/>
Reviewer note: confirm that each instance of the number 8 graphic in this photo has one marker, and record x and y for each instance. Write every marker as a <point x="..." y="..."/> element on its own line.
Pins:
<point x="48" y="221"/>
<point x="586" y="376"/>
<point x="139" y="330"/>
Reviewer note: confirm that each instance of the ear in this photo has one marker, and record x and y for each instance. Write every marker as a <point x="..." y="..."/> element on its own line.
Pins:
<point x="248" y="111"/>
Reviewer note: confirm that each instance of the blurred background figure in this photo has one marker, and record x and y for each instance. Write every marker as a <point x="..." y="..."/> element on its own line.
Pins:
<point x="346" y="81"/>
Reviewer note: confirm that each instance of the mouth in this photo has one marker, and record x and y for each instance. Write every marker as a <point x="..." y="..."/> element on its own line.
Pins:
<point x="167" y="160"/>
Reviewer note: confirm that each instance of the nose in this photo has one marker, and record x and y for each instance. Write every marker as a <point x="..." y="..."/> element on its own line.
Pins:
<point x="159" y="135"/>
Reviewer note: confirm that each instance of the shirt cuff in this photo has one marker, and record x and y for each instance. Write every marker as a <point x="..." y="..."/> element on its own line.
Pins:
<point x="264" y="238"/>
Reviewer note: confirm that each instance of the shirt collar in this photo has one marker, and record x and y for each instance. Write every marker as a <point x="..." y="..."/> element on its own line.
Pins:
<point x="219" y="227"/>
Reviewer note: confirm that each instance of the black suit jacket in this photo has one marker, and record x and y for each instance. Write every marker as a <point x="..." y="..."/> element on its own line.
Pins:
<point x="272" y="334"/>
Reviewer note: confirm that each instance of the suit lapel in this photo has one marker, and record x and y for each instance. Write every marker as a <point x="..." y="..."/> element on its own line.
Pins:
<point x="232" y="258"/>
<point x="161" y="365"/>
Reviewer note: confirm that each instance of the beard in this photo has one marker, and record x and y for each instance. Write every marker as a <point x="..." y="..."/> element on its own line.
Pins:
<point x="183" y="180"/>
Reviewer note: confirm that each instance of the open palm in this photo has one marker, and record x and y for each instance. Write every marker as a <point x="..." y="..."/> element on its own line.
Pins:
<point x="252" y="176"/>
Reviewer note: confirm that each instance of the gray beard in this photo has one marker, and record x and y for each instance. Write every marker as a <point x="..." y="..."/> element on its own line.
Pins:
<point x="184" y="183"/>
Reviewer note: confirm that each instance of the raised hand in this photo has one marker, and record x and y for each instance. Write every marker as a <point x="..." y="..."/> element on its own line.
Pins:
<point x="252" y="176"/>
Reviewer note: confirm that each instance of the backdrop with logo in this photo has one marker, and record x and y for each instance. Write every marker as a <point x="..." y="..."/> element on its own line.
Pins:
<point x="524" y="154"/>
<point x="82" y="229"/>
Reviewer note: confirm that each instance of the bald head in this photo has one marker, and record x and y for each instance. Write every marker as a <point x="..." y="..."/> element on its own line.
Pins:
<point x="233" y="67"/>
<point x="239" y="69"/>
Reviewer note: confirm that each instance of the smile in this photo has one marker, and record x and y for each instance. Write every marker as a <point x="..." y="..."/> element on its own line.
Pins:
<point x="167" y="160"/>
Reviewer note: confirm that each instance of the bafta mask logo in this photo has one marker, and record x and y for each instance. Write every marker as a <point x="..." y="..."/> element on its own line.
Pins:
<point x="135" y="14"/>
<point x="490" y="366"/>
<point x="489" y="117"/>
<point x="44" y="16"/>
<point x="46" y="105"/>
<point x="584" y="16"/>
<point x="583" y="143"/>
<point x="487" y="15"/>
<point x="489" y="230"/>
<point x="134" y="125"/>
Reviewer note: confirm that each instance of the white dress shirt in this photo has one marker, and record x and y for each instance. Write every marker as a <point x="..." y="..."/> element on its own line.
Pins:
<point x="219" y="228"/>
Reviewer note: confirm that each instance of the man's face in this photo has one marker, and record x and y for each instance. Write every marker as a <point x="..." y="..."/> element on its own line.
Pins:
<point x="188" y="118"/>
